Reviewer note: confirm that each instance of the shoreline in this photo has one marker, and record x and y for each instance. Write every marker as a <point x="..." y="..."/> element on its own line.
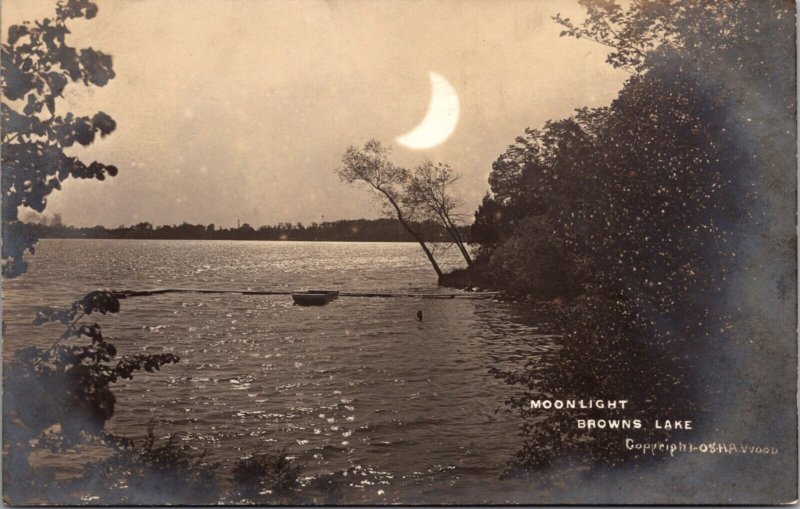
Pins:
<point x="402" y="241"/>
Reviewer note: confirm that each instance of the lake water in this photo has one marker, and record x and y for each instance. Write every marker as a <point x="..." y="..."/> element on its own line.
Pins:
<point x="357" y="383"/>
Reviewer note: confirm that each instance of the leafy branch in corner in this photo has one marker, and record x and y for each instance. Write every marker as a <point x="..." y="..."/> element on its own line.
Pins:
<point x="37" y="65"/>
<point x="69" y="383"/>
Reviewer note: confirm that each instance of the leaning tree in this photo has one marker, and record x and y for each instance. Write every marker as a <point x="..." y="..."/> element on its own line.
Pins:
<point x="371" y="167"/>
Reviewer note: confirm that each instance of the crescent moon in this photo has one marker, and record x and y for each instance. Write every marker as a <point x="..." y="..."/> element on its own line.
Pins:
<point x="440" y="120"/>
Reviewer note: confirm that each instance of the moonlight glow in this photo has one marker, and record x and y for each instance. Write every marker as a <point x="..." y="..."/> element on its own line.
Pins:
<point x="440" y="120"/>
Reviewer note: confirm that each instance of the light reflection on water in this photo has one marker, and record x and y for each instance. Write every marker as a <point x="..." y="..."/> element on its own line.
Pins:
<point x="357" y="383"/>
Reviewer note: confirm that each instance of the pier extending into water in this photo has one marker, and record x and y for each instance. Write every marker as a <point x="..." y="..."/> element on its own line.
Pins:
<point x="124" y="294"/>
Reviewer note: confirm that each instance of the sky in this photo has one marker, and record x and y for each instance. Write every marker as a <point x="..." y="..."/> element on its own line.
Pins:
<point x="240" y="110"/>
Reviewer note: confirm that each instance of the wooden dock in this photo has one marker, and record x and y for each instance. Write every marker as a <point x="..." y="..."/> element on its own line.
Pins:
<point x="124" y="294"/>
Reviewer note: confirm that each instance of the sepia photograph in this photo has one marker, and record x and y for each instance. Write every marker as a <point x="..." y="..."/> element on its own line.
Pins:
<point x="399" y="252"/>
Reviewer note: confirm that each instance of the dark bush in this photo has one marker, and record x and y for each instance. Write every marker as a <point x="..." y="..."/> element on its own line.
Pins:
<point x="264" y="476"/>
<point x="159" y="471"/>
<point x="66" y="386"/>
<point x="534" y="262"/>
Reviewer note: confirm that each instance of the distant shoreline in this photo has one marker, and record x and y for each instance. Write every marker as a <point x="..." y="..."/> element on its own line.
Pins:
<point x="345" y="230"/>
<point x="404" y="241"/>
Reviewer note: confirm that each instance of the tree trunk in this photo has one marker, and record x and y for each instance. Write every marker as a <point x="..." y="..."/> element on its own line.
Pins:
<point x="414" y="234"/>
<point x="453" y="230"/>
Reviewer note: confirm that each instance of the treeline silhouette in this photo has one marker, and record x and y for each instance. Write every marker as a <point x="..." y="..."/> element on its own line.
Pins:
<point x="651" y="223"/>
<point x="345" y="230"/>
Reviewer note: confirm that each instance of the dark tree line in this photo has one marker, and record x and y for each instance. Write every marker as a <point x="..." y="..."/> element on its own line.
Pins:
<point x="345" y="230"/>
<point x="642" y="216"/>
<point x="655" y="194"/>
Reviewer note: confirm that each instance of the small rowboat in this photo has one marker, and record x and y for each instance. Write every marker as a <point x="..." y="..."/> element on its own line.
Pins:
<point x="314" y="297"/>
